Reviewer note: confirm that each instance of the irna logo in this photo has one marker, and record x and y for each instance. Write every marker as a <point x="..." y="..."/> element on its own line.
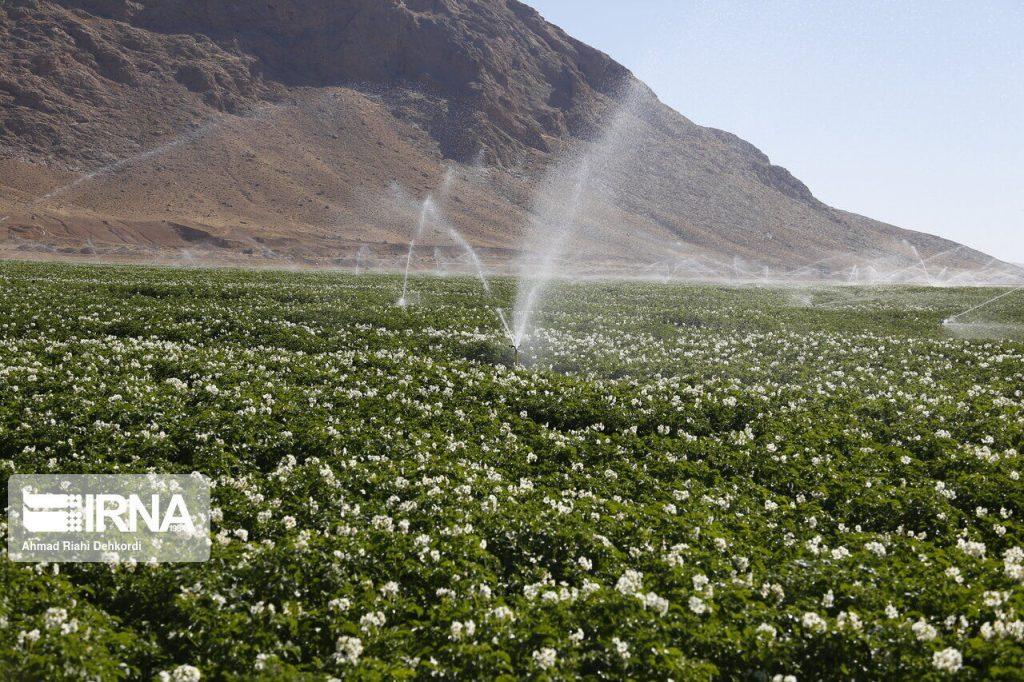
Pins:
<point x="107" y="518"/>
<point x="94" y="513"/>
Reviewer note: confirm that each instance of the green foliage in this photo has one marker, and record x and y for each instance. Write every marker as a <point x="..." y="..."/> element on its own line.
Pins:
<point x="679" y="482"/>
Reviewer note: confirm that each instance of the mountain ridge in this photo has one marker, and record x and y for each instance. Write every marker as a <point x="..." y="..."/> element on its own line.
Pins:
<point x="288" y="122"/>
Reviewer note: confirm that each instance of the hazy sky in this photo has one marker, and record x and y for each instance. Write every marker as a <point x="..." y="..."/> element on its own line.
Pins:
<point x="908" y="112"/>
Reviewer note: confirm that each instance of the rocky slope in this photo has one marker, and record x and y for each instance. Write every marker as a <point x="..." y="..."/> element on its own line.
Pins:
<point x="303" y="130"/>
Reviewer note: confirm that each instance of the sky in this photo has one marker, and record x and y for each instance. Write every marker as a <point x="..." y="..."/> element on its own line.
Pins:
<point x="909" y="112"/>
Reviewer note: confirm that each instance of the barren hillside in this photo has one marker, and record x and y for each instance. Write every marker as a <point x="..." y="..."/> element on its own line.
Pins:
<point x="301" y="131"/>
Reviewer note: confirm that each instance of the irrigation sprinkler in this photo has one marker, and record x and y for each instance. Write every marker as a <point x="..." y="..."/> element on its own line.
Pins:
<point x="953" y="320"/>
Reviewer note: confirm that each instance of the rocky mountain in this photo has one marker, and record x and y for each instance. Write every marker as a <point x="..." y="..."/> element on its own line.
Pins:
<point x="306" y="130"/>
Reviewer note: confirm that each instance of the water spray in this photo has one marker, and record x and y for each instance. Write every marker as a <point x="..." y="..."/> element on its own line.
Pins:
<point x="115" y="166"/>
<point x="430" y="213"/>
<point x="924" y="268"/>
<point x="811" y="266"/>
<point x="426" y="210"/>
<point x="953" y="320"/>
<point x="482" y="276"/>
<point x="361" y="256"/>
<point x="508" y="332"/>
<point x="525" y="304"/>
